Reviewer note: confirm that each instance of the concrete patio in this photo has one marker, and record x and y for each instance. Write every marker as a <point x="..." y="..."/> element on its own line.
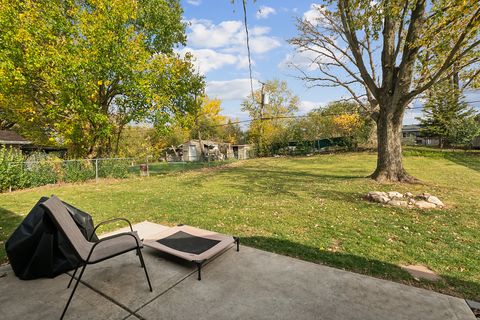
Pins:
<point x="250" y="284"/>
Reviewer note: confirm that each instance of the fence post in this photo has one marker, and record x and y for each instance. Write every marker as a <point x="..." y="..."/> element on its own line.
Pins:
<point x="148" y="170"/>
<point x="96" y="170"/>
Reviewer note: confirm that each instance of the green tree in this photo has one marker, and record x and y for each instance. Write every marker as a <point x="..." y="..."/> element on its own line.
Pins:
<point x="268" y="130"/>
<point x="232" y="132"/>
<point x="338" y="119"/>
<point x="385" y="54"/>
<point x="443" y="111"/>
<point x="463" y="131"/>
<point x="82" y="70"/>
<point x="137" y="142"/>
<point x="207" y="122"/>
<point x="203" y="122"/>
<point x="33" y="48"/>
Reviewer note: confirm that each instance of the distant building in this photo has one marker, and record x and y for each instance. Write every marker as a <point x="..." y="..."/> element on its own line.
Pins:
<point x="476" y="142"/>
<point x="191" y="150"/>
<point x="241" y="151"/>
<point x="412" y="134"/>
<point x="10" y="138"/>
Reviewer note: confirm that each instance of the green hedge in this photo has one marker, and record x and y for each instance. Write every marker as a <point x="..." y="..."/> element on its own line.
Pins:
<point x="19" y="172"/>
<point x="113" y="168"/>
<point x="12" y="173"/>
<point x="78" y="171"/>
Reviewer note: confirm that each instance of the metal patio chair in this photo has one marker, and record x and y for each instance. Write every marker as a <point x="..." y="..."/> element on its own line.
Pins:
<point x="92" y="252"/>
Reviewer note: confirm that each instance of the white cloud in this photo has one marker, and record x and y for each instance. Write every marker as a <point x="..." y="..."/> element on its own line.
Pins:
<point x="307" y="106"/>
<point x="259" y="31"/>
<point x="229" y="36"/>
<point x="204" y="34"/>
<point x="305" y="60"/>
<point x="207" y="59"/>
<point x="236" y="89"/>
<point x="308" y="60"/>
<point x="263" y="44"/>
<point x="217" y="45"/>
<point x="411" y="115"/>
<point x="314" y="15"/>
<point x="265" y="11"/>
<point x="194" y="2"/>
<point x="242" y="62"/>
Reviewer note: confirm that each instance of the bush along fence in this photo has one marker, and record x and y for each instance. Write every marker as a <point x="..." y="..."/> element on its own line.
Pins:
<point x="18" y="171"/>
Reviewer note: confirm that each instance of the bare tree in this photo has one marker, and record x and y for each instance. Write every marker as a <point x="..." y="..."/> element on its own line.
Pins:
<point x="385" y="54"/>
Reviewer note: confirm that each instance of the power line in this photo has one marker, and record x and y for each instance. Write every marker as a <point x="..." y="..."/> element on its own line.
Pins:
<point x="421" y="107"/>
<point x="302" y="116"/>
<point x="474" y="101"/>
<point x="280" y="117"/>
<point x="248" y="45"/>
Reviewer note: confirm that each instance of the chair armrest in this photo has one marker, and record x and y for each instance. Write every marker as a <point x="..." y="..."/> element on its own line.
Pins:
<point x="110" y="238"/>
<point x="110" y="221"/>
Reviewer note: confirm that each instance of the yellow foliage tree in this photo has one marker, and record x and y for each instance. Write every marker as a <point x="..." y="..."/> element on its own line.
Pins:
<point x="346" y="123"/>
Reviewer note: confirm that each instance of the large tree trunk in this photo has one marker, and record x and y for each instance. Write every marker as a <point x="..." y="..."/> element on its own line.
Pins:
<point x="389" y="158"/>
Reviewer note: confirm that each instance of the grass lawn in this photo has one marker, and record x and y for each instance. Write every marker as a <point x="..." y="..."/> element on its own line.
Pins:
<point x="161" y="168"/>
<point x="310" y="208"/>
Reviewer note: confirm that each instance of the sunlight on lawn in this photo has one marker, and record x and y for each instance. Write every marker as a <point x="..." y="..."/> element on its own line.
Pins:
<point x="311" y="208"/>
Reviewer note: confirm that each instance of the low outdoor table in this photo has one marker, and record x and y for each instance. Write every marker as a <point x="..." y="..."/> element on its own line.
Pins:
<point x="190" y="243"/>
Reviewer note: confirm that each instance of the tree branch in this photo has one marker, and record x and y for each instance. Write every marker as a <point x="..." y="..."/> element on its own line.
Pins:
<point x="400" y="30"/>
<point x="450" y="60"/>
<point x="388" y="62"/>
<point x="410" y="49"/>
<point x="354" y="46"/>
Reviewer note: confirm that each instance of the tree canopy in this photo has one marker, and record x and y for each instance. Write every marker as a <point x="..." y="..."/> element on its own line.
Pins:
<point x="338" y="119"/>
<point x="445" y="110"/>
<point x="270" y="120"/>
<point x="77" y="72"/>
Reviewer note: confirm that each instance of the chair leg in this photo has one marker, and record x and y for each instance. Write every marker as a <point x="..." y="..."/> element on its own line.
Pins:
<point x="73" y="277"/>
<point x="140" y="256"/>
<point x="237" y="241"/>
<point x="199" y="269"/>
<point x="141" y="260"/>
<point x="73" y="291"/>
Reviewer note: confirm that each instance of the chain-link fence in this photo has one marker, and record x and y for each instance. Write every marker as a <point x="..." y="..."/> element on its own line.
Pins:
<point x="38" y="170"/>
<point x="159" y="168"/>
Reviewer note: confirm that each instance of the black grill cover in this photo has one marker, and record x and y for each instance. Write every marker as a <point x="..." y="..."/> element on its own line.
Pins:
<point x="36" y="249"/>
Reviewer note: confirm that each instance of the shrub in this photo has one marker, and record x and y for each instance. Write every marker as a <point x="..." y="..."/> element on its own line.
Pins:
<point x="113" y="168"/>
<point x="41" y="169"/>
<point x="78" y="170"/>
<point x="12" y="171"/>
<point x="19" y="172"/>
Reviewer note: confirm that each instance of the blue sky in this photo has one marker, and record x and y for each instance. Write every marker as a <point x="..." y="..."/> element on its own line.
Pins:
<point x="216" y="37"/>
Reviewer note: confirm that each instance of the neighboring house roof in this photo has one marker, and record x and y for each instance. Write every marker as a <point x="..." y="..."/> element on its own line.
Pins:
<point x="11" y="137"/>
<point x="206" y="142"/>
<point x="411" y="128"/>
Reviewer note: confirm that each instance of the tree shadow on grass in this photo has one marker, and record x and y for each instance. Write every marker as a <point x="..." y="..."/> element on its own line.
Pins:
<point x="271" y="180"/>
<point x="469" y="160"/>
<point x="362" y="265"/>
<point x="289" y="182"/>
<point x="277" y="182"/>
<point x="8" y="223"/>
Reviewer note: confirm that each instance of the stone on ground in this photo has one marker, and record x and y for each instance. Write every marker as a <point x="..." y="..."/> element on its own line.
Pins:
<point x="421" y="272"/>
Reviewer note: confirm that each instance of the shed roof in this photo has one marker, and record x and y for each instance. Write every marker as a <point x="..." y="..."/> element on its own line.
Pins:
<point x="11" y="137"/>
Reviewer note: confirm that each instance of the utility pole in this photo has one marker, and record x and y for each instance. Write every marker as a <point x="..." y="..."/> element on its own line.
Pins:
<point x="263" y="101"/>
